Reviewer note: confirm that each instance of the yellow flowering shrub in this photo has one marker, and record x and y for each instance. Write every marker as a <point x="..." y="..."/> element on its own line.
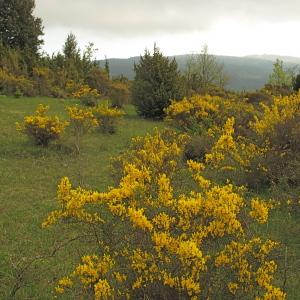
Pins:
<point x="190" y="113"/>
<point x="13" y="85"/>
<point x="87" y="95"/>
<point x="277" y="130"/>
<point x="201" y="112"/>
<point x="81" y="121"/>
<point x="281" y="110"/>
<point x="42" y="128"/>
<point x="108" y="117"/>
<point x="160" y="240"/>
<point x="235" y="157"/>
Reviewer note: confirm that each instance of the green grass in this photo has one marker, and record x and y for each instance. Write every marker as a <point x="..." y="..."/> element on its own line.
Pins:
<point x="28" y="179"/>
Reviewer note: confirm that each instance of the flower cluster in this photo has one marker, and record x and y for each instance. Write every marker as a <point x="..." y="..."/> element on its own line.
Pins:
<point x="282" y="110"/>
<point x="81" y="119"/>
<point x="188" y="113"/>
<point x="42" y="128"/>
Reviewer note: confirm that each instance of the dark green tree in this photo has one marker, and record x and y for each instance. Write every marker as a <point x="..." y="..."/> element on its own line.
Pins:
<point x="157" y="82"/>
<point x="20" y="29"/>
<point x="106" y="67"/>
<point x="296" y="84"/>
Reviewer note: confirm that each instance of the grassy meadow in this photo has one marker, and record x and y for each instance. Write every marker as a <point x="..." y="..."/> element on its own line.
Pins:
<point x="29" y="268"/>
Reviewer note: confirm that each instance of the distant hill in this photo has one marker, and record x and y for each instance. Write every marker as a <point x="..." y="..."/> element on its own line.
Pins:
<point x="246" y="73"/>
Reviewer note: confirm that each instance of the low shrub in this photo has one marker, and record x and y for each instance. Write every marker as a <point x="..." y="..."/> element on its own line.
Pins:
<point x="87" y="96"/>
<point x="42" y="128"/>
<point x="107" y="117"/>
<point x="81" y="121"/>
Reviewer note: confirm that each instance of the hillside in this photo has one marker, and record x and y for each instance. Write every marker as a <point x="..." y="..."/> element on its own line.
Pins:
<point x="246" y="73"/>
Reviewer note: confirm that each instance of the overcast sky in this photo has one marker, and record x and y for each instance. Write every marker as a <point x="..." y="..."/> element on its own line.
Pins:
<point x="125" y="28"/>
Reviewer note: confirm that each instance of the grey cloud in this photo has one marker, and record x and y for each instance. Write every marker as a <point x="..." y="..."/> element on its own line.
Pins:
<point x="138" y="17"/>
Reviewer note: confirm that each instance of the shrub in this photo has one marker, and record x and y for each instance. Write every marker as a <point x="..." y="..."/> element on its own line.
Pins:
<point x="277" y="130"/>
<point x="10" y="84"/>
<point x="87" y="96"/>
<point x="18" y="93"/>
<point x="107" y="117"/>
<point x="119" y="93"/>
<point x="82" y="120"/>
<point x="258" y="97"/>
<point x="201" y="112"/>
<point x="42" y="128"/>
<point x="194" y="114"/>
<point x="157" y="241"/>
<point x="198" y="147"/>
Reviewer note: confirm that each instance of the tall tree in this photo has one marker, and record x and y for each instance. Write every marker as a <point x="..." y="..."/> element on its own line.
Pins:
<point x="204" y="71"/>
<point x="20" y="29"/>
<point x="281" y="77"/>
<point x="157" y="81"/>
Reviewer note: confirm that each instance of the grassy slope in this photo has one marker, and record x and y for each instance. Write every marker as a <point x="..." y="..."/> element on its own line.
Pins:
<point x="28" y="180"/>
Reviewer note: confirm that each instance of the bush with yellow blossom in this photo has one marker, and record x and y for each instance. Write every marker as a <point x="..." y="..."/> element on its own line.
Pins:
<point x="200" y="112"/>
<point x="82" y="121"/>
<point x="158" y="240"/>
<point x="108" y="117"/>
<point x="87" y="95"/>
<point x="277" y="129"/>
<point x="42" y="128"/>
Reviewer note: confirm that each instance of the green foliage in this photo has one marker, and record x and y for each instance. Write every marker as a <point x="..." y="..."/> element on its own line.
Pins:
<point x="98" y="79"/>
<point x="296" y="85"/>
<point x="43" y="78"/>
<point x="20" y="29"/>
<point x="156" y="82"/>
<point x="203" y="73"/>
<point x="281" y="77"/>
<point x="119" y="93"/>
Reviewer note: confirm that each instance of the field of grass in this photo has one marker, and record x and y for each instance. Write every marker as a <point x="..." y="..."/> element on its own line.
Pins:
<point x="28" y="179"/>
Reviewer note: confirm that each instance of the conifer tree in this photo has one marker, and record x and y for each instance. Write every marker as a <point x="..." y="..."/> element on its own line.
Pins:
<point x="156" y="83"/>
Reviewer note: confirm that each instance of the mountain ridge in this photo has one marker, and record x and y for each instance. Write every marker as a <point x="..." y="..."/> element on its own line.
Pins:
<point x="245" y="72"/>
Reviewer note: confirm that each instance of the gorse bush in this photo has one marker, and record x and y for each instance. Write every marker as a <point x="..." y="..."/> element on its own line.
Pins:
<point x="200" y="112"/>
<point x="157" y="240"/>
<point x="42" y="128"/>
<point x="11" y="84"/>
<point x="81" y="121"/>
<point x="277" y="130"/>
<point x="194" y="114"/>
<point x="87" y="96"/>
<point x="108" y="117"/>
